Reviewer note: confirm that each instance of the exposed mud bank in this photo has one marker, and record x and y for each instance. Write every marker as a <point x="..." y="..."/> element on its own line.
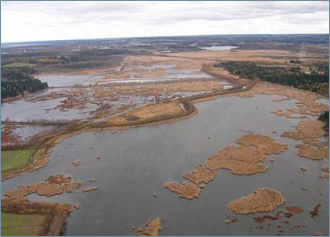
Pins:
<point x="262" y="200"/>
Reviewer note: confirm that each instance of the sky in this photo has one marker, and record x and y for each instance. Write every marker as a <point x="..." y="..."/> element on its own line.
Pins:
<point x="54" y="20"/>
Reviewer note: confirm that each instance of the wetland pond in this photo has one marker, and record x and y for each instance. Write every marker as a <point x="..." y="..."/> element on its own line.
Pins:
<point x="136" y="163"/>
<point x="220" y="47"/>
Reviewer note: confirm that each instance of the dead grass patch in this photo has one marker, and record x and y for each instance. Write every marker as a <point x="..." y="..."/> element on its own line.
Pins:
<point x="151" y="228"/>
<point x="242" y="160"/>
<point x="148" y="113"/>
<point x="265" y="144"/>
<point x="185" y="190"/>
<point x="261" y="200"/>
<point x="200" y="175"/>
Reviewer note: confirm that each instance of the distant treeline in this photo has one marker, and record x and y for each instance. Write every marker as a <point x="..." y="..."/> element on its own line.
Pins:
<point x="15" y="81"/>
<point x="317" y="80"/>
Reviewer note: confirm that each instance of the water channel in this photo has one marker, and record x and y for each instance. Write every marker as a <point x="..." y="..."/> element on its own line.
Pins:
<point x="136" y="162"/>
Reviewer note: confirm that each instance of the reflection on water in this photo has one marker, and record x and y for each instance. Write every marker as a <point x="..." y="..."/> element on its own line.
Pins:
<point x="135" y="163"/>
<point x="220" y="47"/>
<point x="23" y="111"/>
<point x="60" y="80"/>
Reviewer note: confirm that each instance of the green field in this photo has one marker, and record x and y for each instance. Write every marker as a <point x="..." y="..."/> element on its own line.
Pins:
<point x="18" y="64"/>
<point x="21" y="224"/>
<point x="15" y="159"/>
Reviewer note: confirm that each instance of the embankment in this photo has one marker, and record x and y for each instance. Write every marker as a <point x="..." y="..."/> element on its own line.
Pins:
<point x="56" y="214"/>
<point x="152" y="114"/>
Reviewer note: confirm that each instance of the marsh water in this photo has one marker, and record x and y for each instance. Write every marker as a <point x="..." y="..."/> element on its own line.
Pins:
<point x="136" y="163"/>
<point x="220" y="47"/>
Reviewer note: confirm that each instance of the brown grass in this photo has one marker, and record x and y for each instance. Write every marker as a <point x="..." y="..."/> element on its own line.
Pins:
<point x="185" y="190"/>
<point x="207" y="85"/>
<point x="265" y="144"/>
<point x="56" y="214"/>
<point x="242" y="160"/>
<point x="55" y="185"/>
<point x="262" y="200"/>
<point x="151" y="228"/>
<point x="147" y="113"/>
<point x="200" y="175"/>
<point x="288" y="114"/>
<point x="306" y="129"/>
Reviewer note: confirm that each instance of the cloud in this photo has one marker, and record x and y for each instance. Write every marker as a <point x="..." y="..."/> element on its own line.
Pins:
<point x="20" y="20"/>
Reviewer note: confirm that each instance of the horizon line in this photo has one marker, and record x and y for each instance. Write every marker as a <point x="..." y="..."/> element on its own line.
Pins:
<point x="164" y="36"/>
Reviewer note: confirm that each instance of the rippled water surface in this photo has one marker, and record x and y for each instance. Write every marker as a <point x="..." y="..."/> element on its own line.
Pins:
<point x="135" y="163"/>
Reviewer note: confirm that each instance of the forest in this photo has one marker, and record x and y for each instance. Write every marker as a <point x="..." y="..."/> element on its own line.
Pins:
<point x="317" y="80"/>
<point x="15" y="81"/>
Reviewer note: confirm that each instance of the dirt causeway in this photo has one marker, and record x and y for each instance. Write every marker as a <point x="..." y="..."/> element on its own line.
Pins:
<point x="185" y="190"/>
<point x="151" y="228"/>
<point x="261" y="200"/>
